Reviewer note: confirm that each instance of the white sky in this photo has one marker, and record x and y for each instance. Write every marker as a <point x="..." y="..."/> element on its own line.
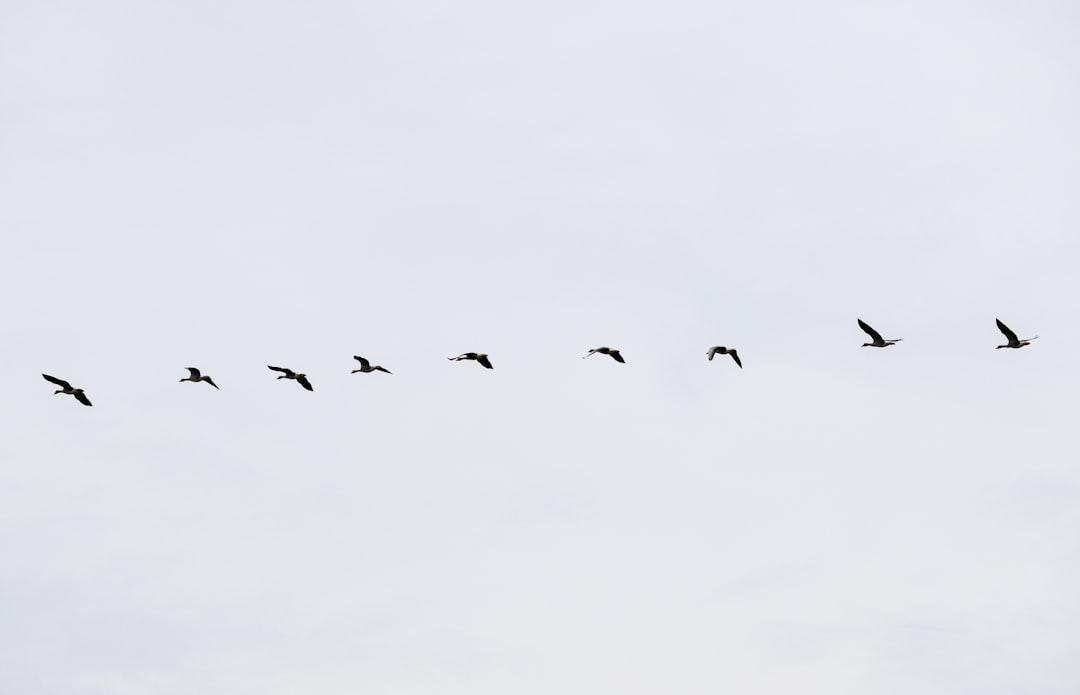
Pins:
<point x="231" y="185"/>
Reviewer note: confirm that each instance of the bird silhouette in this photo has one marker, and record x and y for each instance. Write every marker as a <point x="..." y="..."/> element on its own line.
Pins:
<point x="1014" y="342"/>
<point x="290" y="374"/>
<point x="611" y="352"/>
<point x="67" y="388"/>
<point x="478" y="356"/>
<point x="721" y="350"/>
<point x="366" y="368"/>
<point x="196" y="376"/>
<point x="878" y="340"/>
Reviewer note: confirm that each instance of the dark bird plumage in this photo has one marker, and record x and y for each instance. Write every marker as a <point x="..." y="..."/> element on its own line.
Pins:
<point x="477" y="356"/>
<point x="878" y="341"/>
<point x="721" y="350"/>
<point x="197" y="376"/>
<point x="365" y="366"/>
<point x="611" y="352"/>
<point x="1014" y="342"/>
<point x="68" y="389"/>
<point x="290" y="374"/>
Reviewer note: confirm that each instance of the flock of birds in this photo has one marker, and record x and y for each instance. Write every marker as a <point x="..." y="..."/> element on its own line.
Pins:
<point x="195" y="375"/>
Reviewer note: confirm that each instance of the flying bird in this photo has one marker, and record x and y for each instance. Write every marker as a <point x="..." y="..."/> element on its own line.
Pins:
<point x="365" y="366"/>
<point x="878" y="340"/>
<point x="612" y="352"/>
<point x="1014" y="342"/>
<point x="290" y="374"/>
<point x="197" y="376"/>
<point x="67" y="388"/>
<point x="721" y="350"/>
<point x="478" y="356"/>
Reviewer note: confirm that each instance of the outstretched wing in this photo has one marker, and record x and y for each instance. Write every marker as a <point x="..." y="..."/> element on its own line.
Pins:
<point x="483" y="359"/>
<point x="81" y="397"/>
<point x="210" y="381"/>
<point x="870" y="331"/>
<point x="617" y="356"/>
<point x="382" y="369"/>
<point x="304" y="382"/>
<point x="1009" y="335"/>
<point x="735" y="356"/>
<point x="364" y="364"/>
<point x="59" y="382"/>
<point x="283" y="370"/>
<point x="195" y="373"/>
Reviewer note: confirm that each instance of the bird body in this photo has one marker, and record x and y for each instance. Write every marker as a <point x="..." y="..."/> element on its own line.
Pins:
<point x="366" y="368"/>
<point x="610" y="352"/>
<point x="67" y="388"/>
<point x="477" y="356"/>
<point x="721" y="350"/>
<point x="878" y="340"/>
<point x="290" y="374"/>
<point x="1014" y="342"/>
<point x="197" y="376"/>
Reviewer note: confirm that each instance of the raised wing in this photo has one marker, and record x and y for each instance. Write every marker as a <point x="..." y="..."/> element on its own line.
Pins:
<point x="59" y="382"/>
<point x="283" y="370"/>
<point x="304" y="382"/>
<point x="1009" y="335"/>
<point x="870" y="331"/>
<point x="364" y="364"/>
<point x="195" y="373"/>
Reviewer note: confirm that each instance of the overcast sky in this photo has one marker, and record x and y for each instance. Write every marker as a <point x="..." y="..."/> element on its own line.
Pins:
<point x="229" y="185"/>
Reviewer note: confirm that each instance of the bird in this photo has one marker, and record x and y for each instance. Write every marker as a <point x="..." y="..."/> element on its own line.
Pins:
<point x="1014" y="342"/>
<point x="67" y="388"/>
<point x="365" y="366"/>
<point x="721" y="350"/>
<point x="196" y="375"/>
<point x="612" y="352"/>
<point x="878" y="340"/>
<point x="478" y="356"/>
<point x="290" y="374"/>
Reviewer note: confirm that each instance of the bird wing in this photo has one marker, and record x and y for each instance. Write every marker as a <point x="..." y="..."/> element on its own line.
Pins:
<point x="617" y="356"/>
<point x="195" y="373"/>
<point x="382" y="369"/>
<point x="483" y="359"/>
<point x="735" y="356"/>
<point x="463" y="356"/>
<point x="211" y="382"/>
<point x="283" y="370"/>
<point x="870" y="331"/>
<point x="59" y="382"/>
<point x="81" y="397"/>
<point x="1001" y="327"/>
<point x="304" y="382"/>
<point x="712" y="352"/>
<point x="363" y="363"/>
